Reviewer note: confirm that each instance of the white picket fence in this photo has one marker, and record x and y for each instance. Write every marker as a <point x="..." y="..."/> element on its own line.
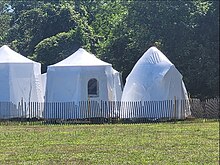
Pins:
<point x="22" y="109"/>
<point x="152" y="110"/>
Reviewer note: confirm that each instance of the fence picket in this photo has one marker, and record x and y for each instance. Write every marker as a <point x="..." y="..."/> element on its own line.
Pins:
<point x="111" y="110"/>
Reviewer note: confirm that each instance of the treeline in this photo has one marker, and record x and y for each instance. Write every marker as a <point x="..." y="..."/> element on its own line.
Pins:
<point x="119" y="32"/>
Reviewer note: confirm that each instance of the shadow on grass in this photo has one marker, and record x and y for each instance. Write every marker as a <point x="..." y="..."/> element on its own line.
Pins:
<point x="100" y="121"/>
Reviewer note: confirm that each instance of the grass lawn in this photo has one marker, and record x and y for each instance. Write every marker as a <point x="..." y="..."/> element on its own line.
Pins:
<point x="135" y="144"/>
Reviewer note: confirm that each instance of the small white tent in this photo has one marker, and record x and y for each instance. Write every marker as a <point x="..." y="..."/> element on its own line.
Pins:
<point x="82" y="77"/>
<point x="154" y="78"/>
<point x="20" y="80"/>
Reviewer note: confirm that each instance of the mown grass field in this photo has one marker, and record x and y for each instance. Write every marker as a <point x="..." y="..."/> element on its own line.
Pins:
<point x="134" y="144"/>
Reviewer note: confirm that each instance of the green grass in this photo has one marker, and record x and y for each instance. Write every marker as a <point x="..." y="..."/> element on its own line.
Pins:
<point x="135" y="144"/>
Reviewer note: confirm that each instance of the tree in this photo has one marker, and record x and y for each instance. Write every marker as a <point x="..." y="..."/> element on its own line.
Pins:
<point x="34" y="25"/>
<point x="174" y="27"/>
<point x="205" y="62"/>
<point x="54" y="49"/>
<point x="119" y="32"/>
<point x="101" y="17"/>
<point x="5" y="18"/>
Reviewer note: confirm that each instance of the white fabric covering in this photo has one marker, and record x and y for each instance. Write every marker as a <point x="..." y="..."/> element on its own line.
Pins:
<point x="154" y="78"/>
<point x="67" y="81"/>
<point x="20" y="80"/>
<point x="44" y="80"/>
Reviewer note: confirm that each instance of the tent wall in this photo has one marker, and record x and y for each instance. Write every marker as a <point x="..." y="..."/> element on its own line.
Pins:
<point x="24" y="83"/>
<point x="19" y="83"/>
<point x="117" y="87"/>
<point x="172" y="85"/>
<point x="43" y="82"/>
<point x="4" y="83"/>
<point x="67" y="84"/>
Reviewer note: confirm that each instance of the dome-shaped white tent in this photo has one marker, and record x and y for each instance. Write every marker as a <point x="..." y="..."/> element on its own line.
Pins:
<point x="82" y="77"/>
<point x="20" y="80"/>
<point x="154" y="78"/>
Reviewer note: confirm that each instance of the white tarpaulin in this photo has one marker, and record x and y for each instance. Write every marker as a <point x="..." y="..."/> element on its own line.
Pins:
<point x="44" y="80"/>
<point x="20" y="80"/>
<point x="154" y="78"/>
<point x="82" y="77"/>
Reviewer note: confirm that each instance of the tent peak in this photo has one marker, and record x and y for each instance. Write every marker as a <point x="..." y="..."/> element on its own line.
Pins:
<point x="82" y="51"/>
<point x="7" y="55"/>
<point x="5" y="47"/>
<point x="154" y="48"/>
<point x="154" y="56"/>
<point x="82" y="58"/>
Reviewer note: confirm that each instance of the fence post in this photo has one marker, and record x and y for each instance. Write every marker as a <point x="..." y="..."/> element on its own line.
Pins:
<point x="22" y="108"/>
<point x="204" y="110"/>
<point x="89" y="109"/>
<point x="174" y="108"/>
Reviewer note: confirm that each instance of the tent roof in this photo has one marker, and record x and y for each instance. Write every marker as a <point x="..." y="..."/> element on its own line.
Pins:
<point x="152" y="63"/>
<point x="81" y="58"/>
<point x="153" y="56"/>
<point x="8" y="55"/>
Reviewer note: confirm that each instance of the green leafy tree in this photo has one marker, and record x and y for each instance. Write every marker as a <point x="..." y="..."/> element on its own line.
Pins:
<point x="54" y="49"/>
<point x="119" y="32"/>
<point x="5" y="18"/>
<point x="34" y="25"/>
<point x="203" y="68"/>
<point x="175" y="27"/>
<point x="102" y="17"/>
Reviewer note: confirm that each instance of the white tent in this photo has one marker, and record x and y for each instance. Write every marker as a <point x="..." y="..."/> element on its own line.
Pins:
<point x="154" y="78"/>
<point x="20" y="81"/>
<point x="82" y="77"/>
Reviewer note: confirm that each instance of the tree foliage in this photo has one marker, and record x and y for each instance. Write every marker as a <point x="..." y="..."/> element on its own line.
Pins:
<point x="5" y="18"/>
<point x="119" y="32"/>
<point x="37" y="24"/>
<point x="54" y="49"/>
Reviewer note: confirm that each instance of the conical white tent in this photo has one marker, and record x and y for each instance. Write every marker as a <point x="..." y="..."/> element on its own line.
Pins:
<point x="82" y="77"/>
<point x="20" y="80"/>
<point x="154" y="78"/>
